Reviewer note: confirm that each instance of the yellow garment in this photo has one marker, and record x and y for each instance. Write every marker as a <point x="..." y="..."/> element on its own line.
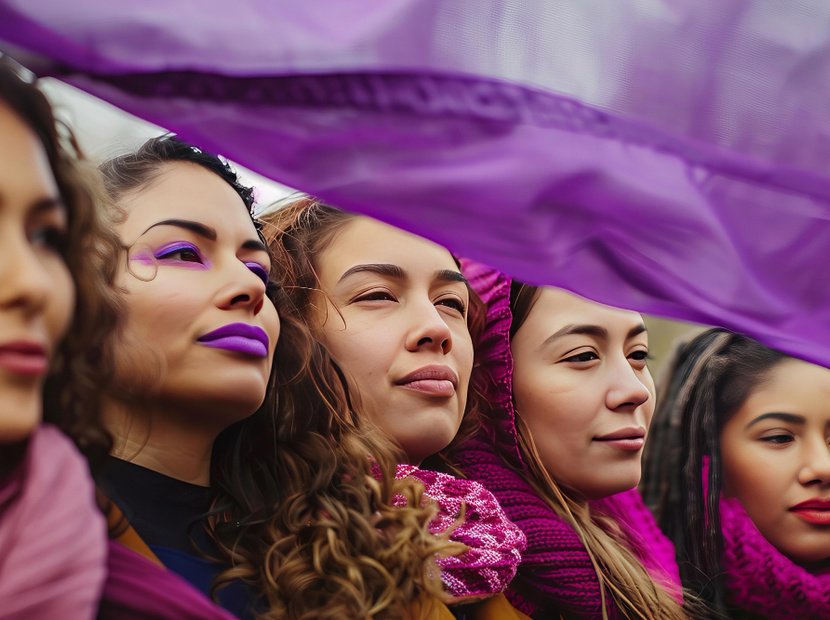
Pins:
<point x="127" y="536"/>
<point x="497" y="608"/>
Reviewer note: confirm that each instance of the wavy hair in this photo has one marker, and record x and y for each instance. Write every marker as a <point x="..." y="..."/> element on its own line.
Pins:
<point x="620" y="573"/>
<point x="708" y="381"/>
<point x="80" y="370"/>
<point x="343" y="546"/>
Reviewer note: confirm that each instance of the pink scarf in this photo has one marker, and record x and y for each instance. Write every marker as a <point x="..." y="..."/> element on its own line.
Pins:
<point x="495" y="543"/>
<point x="759" y="579"/>
<point x="52" y="535"/>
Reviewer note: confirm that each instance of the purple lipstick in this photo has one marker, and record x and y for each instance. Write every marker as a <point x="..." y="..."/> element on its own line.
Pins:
<point x="238" y="337"/>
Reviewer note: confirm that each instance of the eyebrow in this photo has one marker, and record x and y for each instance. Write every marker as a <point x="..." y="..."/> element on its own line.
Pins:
<point x="597" y="331"/>
<point x="393" y="271"/>
<point x="786" y="417"/>
<point x="207" y="232"/>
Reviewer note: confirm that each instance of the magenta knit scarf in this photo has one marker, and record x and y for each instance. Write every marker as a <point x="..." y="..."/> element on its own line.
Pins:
<point x="760" y="580"/>
<point x="494" y="543"/>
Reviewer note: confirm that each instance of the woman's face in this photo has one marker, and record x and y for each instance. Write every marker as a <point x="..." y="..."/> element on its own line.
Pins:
<point x="195" y="297"/>
<point x="581" y="384"/>
<point x="37" y="294"/>
<point x="776" y="459"/>
<point x="396" y="324"/>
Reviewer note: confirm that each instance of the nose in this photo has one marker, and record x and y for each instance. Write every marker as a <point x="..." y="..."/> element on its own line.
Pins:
<point x="816" y="466"/>
<point x="242" y="289"/>
<point x="428" y="329"/>
<point x="26" y="283"/>
<point x="626" y="390"/>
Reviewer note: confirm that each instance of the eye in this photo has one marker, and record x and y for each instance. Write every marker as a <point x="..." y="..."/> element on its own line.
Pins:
<point x="779" y="439"/>
<point x="377" y="295"/>
<point x="51" y="237"/>
<point x="585" y="356"/>
<point x="260" y="271"/>
<point x="183" y="252"/>
<point x="639" y="358"/>
<point x="453" y="302"/>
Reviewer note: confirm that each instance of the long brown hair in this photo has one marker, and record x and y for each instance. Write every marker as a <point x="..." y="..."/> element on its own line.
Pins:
<point x="348" y="549"/>
<point x="621" y="574"/>
<point x="80" y="369"/>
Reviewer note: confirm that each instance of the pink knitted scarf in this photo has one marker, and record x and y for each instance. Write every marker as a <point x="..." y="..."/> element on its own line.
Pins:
<point x="494" y="543"/>
<point x="760" y="580"/>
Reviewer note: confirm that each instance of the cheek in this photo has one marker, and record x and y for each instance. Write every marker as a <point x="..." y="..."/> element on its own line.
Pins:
<point x="61" y="304"/>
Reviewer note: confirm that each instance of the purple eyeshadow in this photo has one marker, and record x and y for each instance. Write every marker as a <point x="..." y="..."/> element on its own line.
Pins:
<point x="259" y="270"/>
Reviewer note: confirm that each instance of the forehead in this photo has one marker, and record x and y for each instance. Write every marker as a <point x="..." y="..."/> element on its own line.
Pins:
<point x="367" y="241"/>
<point x="793" y="386"/>
<point x="187" y="191"/>
<point x="24" y="167"/>
<point x="556" y="308"/>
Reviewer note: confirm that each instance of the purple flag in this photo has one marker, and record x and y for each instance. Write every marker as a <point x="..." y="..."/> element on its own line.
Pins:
<point x="669" y="157"/>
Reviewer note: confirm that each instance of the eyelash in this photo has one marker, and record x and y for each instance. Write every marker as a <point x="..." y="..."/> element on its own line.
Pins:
<point x="773" y="439"/>
<point x="179" y="248"/>
<point x="455" y="303"/>
<point x="450" y="302"/>
<point x="589" y="356"/>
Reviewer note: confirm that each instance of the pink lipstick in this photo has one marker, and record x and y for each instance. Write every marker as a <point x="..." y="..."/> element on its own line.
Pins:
<point x="816" y="511"/>
<point x="239" y="338"/>
<point x="629" y="439"/>
<point x="435" y="380"/>
<point x="24" y="357"/>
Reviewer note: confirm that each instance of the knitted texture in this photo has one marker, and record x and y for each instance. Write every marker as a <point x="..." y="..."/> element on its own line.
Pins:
<point x="494" y="542"/>
<point x="644" y="537"/>
<point x="760" y="580"/>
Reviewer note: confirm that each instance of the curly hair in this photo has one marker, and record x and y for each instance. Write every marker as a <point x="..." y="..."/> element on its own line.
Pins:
<point x="710" y="378"/>
<point x="340" y="545"/>
<point x="80" y="370"/>
<point x="620" y="573"/>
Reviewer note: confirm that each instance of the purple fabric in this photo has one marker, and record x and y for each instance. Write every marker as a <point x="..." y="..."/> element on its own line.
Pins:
<point x="138" y="589"/>
<point x="52" y="535"/>
<point x="761" y="580"/>
<point x="668" y="157"/>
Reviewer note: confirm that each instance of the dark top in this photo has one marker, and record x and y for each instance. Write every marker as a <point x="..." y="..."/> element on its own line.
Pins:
<point x="167" y="514"/>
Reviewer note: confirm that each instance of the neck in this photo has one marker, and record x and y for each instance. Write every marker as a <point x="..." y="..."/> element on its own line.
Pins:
<point x="161" y="440"/>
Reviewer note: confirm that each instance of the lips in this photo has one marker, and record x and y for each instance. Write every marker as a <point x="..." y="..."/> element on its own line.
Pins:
<point x="24" y="357"/>
<point x="816" y="511"/>
<point x="629" y="439"/>
<point x="239" y="338"/>
<point x="436" y="380"/>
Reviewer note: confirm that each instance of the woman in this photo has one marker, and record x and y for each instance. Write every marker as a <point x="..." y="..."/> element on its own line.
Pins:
<point x="396" y="320"/>
<point x="216" y="464"/>
<point x="572" y="401"/>
<point x="51" y="531"/>
<point x="745" y="497"/>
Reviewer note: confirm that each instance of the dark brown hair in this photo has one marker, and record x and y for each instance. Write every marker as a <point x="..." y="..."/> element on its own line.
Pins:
<point x="710" y="378"/>
<point x="80" y="370"/>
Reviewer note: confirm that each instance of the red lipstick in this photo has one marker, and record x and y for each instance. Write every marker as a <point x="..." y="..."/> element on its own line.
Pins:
<point x="815" y="511"/>
<point x="24" y="357"/>
<point x="434" y="380"/>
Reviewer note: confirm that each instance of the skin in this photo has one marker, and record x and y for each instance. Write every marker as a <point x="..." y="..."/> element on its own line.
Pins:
<point x="176" y="394"/>
<point x="382" y="326"/>
<point x="772" y="463"/>
<point x="579" y="375"/>
<point x="37" y="293"/>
